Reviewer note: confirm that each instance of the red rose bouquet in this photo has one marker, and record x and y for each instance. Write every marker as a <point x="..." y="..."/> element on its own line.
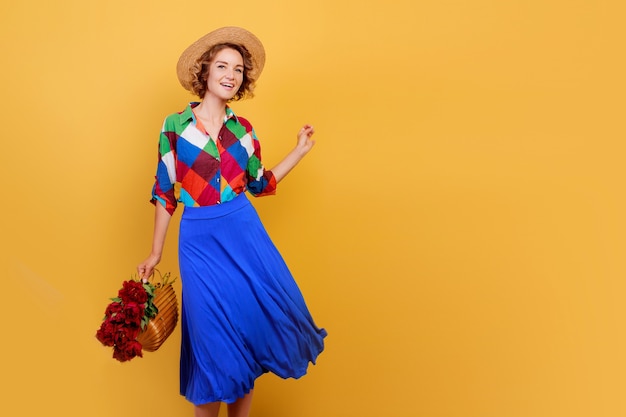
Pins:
<point x="126" y="317"/>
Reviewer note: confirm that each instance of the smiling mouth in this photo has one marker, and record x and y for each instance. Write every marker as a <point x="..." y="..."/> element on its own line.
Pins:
<point x="228" y="85"/>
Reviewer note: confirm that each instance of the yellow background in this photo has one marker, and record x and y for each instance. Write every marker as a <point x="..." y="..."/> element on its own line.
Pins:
<point x="459" y="227"/>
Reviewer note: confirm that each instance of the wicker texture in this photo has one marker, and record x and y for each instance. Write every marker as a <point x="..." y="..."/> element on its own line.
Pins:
<point x="163" y="324"/>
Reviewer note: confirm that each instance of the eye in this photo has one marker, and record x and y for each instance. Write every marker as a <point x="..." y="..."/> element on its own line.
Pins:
<point x="239" y="70"/>
<point x="221" y="66"/>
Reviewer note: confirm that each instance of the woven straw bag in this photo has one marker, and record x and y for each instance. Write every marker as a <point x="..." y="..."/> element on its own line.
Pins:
<point x="161" y="326"/>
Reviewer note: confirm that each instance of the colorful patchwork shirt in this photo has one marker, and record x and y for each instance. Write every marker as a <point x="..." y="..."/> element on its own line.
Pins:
<point x="209" y="171"/>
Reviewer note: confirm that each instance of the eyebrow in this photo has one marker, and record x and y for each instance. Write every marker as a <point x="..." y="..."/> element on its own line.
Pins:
<point x="224" y="62"/>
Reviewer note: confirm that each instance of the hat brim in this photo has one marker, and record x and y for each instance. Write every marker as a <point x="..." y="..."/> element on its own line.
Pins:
<point x="229" y="34"/>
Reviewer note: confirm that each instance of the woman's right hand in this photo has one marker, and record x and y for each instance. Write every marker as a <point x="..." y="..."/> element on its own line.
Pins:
<point x="146" y="268"/>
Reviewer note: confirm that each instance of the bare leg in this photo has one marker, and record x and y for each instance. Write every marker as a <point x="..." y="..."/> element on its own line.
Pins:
<point x="241" y="407"/>
<point x="207" y="410"/>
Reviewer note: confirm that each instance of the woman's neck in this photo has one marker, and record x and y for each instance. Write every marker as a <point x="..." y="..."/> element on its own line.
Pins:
<point x="211" y="109"/>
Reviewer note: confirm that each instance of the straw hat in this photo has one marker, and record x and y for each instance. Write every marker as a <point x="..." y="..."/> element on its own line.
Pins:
<point x="229" y="34"/>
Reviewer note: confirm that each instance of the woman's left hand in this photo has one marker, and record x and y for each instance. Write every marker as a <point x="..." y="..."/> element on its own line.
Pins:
<point x="305" y="143"/>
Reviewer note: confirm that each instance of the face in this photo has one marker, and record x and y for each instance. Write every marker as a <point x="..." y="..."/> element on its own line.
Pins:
<point x="225" y="74"/>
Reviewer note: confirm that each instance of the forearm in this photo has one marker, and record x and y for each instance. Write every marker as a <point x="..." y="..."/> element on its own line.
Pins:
<point x="288" y="163"/>
<point x="161" y="223"/>
<point x="303" y="146"/>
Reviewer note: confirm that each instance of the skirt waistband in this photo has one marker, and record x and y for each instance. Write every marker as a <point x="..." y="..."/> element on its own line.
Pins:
<point x="217" y="210"/>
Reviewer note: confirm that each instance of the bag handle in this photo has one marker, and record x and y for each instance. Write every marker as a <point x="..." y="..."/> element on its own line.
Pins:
<point x="164" y="279"/>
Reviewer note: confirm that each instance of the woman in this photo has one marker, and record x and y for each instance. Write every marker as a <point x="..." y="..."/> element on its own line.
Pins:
<point x="242" y="312"/>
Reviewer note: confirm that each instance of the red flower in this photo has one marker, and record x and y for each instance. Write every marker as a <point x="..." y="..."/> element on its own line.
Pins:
<point x="113" y="308"/>
<point x="133" y="291"/>
<point x="127" y="351"/>
<point x="123" y="336"/>
<point x="118" y="318"/>
<point x="106" y="333"/>
<point x="133" y="313"/>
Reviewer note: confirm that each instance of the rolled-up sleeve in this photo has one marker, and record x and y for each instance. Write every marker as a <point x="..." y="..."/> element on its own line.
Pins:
<point x="261" y="182"/>
<point x="165" y="178"/>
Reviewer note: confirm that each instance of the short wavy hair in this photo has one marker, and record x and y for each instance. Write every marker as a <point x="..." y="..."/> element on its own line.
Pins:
<point x="200" y="71"/>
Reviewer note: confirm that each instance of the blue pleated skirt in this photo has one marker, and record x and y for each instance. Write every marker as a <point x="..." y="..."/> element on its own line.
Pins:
<point x="242" y="312"/>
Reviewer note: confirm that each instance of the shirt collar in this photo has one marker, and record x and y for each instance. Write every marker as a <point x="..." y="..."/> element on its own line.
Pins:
<point x="230" y="114"/>
<point x="187" y="115"/>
